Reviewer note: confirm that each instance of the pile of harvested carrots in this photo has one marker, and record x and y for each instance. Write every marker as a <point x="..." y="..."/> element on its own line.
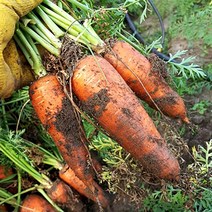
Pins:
<point x="107" y="86"/>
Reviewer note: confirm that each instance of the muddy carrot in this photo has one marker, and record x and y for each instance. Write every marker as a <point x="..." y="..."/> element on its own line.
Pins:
<point x="106" y="97"/>
<point x="65" y="197"/>
<point x="141" y="76"/>
<point x="57" y="115"/>
<point x="145" y="80"/>
<point x="36" y="203"/>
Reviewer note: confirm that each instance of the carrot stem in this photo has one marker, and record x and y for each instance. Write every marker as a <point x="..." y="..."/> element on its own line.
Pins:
<point x="66" y="18"/>
<point x="80" y="5"/>
<point x="51" y="37"/>
<point x="23" y="192"/>
<point x="39" y="39"/>
<point x="53" y="27"/>
<point x="19" y="189"/>
<point x="37" y="64"/>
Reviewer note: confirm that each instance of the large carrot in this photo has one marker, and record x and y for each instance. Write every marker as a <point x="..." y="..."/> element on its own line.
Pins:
<point x="36" y="203"/>
<point x="145" y="81"/>
<point x="108" y="99"/>
<point x="57" y="115"/>
<point x="136" y="70"/>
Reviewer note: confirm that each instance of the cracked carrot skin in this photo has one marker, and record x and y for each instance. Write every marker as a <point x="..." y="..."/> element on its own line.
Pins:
<point x="107" y="98"/>
<point x="133" y="66"/>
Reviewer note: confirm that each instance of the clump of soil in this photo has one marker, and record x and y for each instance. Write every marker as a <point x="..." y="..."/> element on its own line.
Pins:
<point x="158" y="65"/>
<point x="96" y="104"/>
<point x="70" y="53"/>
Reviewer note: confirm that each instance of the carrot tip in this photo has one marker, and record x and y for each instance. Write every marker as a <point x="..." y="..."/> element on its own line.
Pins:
<point x="186" y="120"/>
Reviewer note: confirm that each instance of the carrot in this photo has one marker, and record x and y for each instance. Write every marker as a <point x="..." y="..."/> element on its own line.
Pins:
<point x="106" y="97"/>
<point x="3" y="208"/>
<point x="145" y="81"/>
<point x="5" y="172"/>
<point x="57" y="115"/>
<point x="68" y="176"/>
<point x="64" y="197"/>
<point x="36" y="203"/>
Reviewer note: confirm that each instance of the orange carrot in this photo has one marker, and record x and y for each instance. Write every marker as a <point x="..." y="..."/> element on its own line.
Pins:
<point x="106" y="97"/>
<point x="5" y="172"/>
<point x="57" y="115"/>
<point x="3" y="208"/>
<point x="64" y="197"/>
<point x="145" y="81"/>
<point x="36" y="203"/>
<point x="68" y="176"/>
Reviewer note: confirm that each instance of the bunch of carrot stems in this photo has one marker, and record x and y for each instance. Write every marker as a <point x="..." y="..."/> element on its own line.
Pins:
<point x="14" y="148"/>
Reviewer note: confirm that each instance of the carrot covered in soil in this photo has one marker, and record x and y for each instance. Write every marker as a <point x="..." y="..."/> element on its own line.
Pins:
<point x="57" y="115"/>
<point x="106" y="97"/>
<point x="146" y="82"/>
<point x="36" y="203"/>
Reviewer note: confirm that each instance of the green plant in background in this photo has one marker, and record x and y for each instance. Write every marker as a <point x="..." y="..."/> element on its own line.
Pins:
<point x="169" y="199"/>
<point x="203" y="159"/>
<point x="201" y="106"/>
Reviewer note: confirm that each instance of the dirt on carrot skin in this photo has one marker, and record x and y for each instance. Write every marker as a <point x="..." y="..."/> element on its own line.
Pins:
<point x="66" y="122"/>
<point x="99" y="101"/>
<point x="69" y="201"/>
<point x="158" y="66"/>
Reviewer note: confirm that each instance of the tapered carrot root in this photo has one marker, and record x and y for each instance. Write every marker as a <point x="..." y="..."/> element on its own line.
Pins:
<point x="36" y="203"/>
<point x="133" y="66"/>
<point x="68" y="176"/>
<point x="105" y="96"/>
<point x="57" y="115"/>
<point x="64" y="197"/>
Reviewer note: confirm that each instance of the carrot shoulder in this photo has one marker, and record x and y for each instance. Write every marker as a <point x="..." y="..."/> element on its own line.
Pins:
<point x="106" y="97"/>
<point x="139" y="74"/>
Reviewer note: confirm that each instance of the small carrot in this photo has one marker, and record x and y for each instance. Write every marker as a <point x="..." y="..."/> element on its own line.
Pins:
<point x="146" y="82"/>
<point x="106" y="97"/>
<point x="68" y="176"/>
<point x="36" y="203"/>
<point x="5" y="172"/>
<point x="64" y="196"/>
